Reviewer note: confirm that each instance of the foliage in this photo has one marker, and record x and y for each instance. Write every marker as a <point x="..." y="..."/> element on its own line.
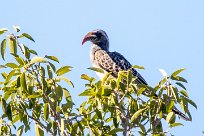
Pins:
<point x="31" y="91"/>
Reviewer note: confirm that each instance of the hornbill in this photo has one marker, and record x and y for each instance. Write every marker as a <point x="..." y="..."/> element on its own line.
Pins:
<point x="113" y="62"/>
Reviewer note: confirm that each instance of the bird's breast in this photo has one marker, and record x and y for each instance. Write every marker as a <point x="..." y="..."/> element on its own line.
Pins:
<point x="94" y="49"/>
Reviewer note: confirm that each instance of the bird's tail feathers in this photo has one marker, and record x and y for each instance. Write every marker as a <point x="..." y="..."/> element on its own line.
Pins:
<point x="180" y="114"/>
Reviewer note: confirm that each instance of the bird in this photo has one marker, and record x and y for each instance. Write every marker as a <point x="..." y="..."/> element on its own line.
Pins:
<point x="113" y="62"/>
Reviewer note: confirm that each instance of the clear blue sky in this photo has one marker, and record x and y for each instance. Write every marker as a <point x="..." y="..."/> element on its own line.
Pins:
<point x="153" y="33"/>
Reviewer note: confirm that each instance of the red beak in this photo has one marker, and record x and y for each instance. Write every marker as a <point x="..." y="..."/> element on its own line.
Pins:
<point x="86" y="38"/>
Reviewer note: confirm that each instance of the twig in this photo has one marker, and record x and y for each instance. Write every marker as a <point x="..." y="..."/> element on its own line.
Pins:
<point x="36" y="120"/>
<point x="77" y="116"/>
<point x="122" y="116"/>
<point x="123" y="97"/>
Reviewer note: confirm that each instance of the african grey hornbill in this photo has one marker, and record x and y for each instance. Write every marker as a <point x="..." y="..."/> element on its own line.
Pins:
<point x="113" y="62"/>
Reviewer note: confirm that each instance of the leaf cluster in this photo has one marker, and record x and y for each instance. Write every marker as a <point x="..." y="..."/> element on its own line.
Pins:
<point x="120" y="102"/>
<point x="31" y="91"/>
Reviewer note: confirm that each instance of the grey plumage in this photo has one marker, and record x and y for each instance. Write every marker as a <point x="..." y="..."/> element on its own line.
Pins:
<point x="113" y="62"/>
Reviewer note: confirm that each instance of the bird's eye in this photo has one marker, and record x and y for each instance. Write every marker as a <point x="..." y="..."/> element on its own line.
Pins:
<point x="98" y="35"/>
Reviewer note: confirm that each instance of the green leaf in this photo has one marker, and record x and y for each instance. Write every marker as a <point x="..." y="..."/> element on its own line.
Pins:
<point x="182" y="104"/>
<point x="59" y="92"/>
<point x="88" y="92"/>
<point x="3" y="48"/>
<point x="16" y="118"/>
<point x="3" y="30"/>
<point x="115" y="131"/>
<point x="23" y="82"/>
<point x="67" y="80"/>
<point x="96" y="69"/>
<point x="136" y="114"/>
<point x="119" y="79"/>
<point x="80" y="127"/>
<point x="38" y="131"/>
<point x="8" y="93"/>
<point x="105" y="78"/>
<point x="68" y="98"/>
<point x="3" y="105"/>
<point x="113" y="84"/>
<point x="54" y="128"/>
<point x="86" y="77"/>
<point x="108" y="120"/>
<point x="138" y="67"/>
<point x="170" y="116"/>
<point x="42" y="72"/>
<point x="4" y="75"/>
<point x="44" y="83"/>
<point x="28" y="36"/>
<point x="49" y="126"/>
<point x="75" y="129"/>
<point x="129" y="77"/>
<point x="9" y="112"/>
<point x="52" y="58"/>
<point x="46" y="111"/>
<point x="37" y="59"/>
<point x="170" y="106"/>
<point x="52" y="66"/>
<point x="175" y="92"/>
<point x="11" y="65"/>
<point x="59" y="108"/>
<point x="177" y="72"/>
<point x="163" y="81"/>
<point x="99" y="114"/>
<point x="16" y="28"/>
<point x="62" y="126"/>
<point x="20" y="130"/>
<point x="176" y="124"/>
<point x="189" y="115"/>
<point x="18" y="82"/>
<point x="1" y="122"/>
<point x="26" y="51"/>
<point x="49" y="71"/>
<point x="140" y="91"/>
<point x="178" y="78"/>
<point x="19" y="59"/>
<point x="66" y="94"/>
<point x="34" y="96"/>
<point x="115" y="121"/>
<point x="181" y="85"/>
<point x="10" y="75"/>
<point x="142" y="127"/>
<point x="12" y="46"/>
<point x="106" y="92"/>
<point x="33" y="52"/>
<point x="191" y="102"/>
<point x="82" y="107"/>
<point x="63" y="70"/>
<point x="184" y="93"/>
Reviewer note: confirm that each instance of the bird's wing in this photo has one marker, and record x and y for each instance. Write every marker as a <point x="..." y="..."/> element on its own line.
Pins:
<point x="114" y="62"/>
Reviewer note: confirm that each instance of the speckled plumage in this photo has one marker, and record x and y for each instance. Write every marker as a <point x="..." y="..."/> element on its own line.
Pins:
<point x="113" y="62"/>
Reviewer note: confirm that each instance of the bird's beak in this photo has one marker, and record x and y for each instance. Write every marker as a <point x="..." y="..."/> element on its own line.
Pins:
<point x="87" y="37"/>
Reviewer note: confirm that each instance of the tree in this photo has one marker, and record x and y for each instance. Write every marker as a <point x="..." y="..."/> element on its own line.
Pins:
<point x="30" y="90"/>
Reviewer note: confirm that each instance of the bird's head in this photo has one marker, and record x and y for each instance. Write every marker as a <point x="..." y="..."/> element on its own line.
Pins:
<point x="98" y="37"/>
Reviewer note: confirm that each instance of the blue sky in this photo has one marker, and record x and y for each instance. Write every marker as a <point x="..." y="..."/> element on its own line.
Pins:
<point x="153" y="33"/>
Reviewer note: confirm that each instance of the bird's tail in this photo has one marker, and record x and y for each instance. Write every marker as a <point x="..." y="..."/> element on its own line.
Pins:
<point x="180" y="114"/>
<point x="175" y="110"/>
<point x="147" y="92"/>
